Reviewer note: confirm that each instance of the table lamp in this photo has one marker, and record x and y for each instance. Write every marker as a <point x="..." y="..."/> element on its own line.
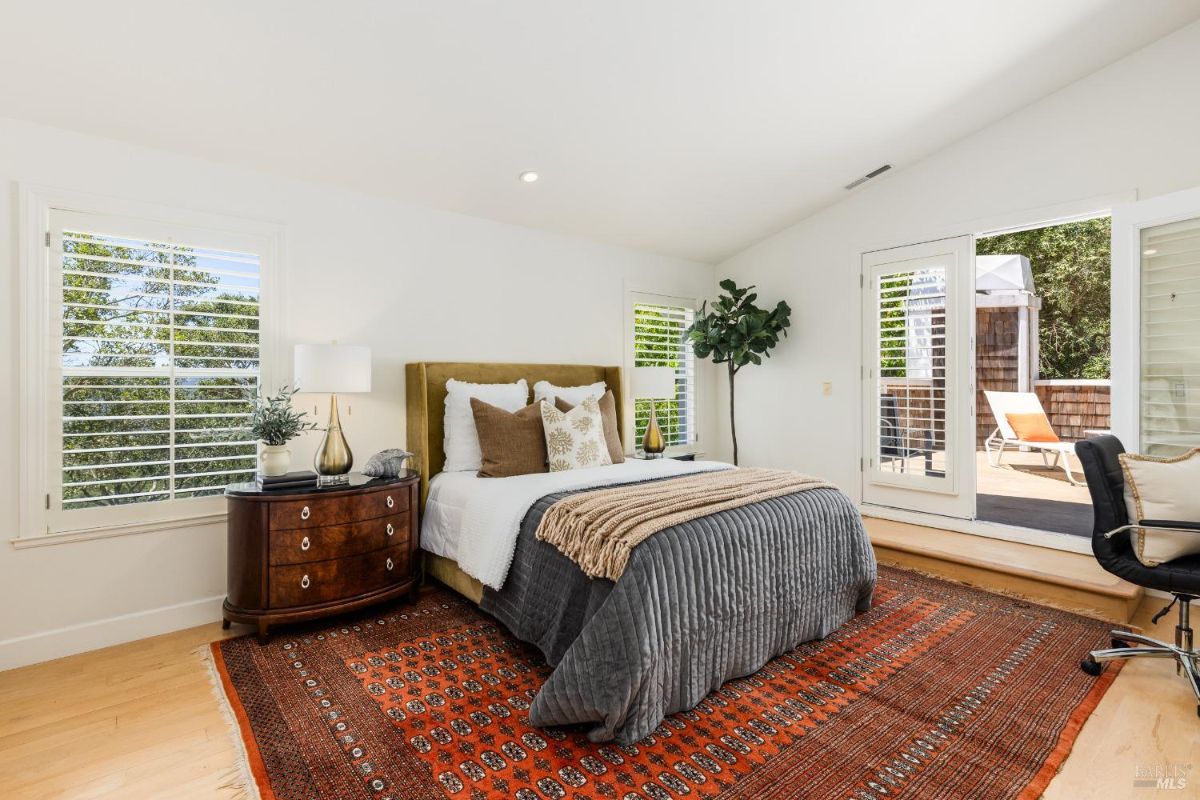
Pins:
<point x="653" y="383"/>
<point x="336" y="369"/>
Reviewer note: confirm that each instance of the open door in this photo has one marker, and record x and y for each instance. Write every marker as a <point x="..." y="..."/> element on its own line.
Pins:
<point x="918" y="393"/>
<point x="1156" y="324"/>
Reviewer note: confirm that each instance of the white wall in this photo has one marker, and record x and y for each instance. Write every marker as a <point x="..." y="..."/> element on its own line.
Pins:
<point x="1132" y="126"/>
<point x="412" y="283"/>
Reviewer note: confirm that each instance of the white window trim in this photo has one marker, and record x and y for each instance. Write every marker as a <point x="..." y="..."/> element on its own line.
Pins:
<point x="633" y="296"/>
<point x="1128" y="222"/>
<point x="35" y="206"/>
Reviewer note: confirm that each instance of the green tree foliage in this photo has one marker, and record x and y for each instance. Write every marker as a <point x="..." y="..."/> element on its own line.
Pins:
<point x="657" y="338"/>
<point x="1072" y="273"/>
<point x="736" y="333"/>
<point x="142" y="325"/>
<point x="893" y="325"/>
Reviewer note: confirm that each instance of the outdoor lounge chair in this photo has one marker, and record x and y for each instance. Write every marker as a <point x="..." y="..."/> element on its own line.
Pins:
<point x="1005" y="403"/>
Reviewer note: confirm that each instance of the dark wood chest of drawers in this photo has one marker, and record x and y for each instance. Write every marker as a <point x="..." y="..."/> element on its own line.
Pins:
<point x="302" y="555"/>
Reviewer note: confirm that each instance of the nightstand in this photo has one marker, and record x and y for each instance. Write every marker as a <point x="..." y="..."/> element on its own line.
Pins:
<point x="679" y="457"/>
<point x="302" y="554"/>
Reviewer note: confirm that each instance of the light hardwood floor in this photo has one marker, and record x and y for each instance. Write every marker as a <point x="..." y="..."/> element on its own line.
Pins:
<point x="140" y="720"/>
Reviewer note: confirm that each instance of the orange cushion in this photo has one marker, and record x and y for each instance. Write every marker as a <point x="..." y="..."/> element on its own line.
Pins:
<point x="1032" y="427"/>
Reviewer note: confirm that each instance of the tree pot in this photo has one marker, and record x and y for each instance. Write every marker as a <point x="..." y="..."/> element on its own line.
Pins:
<point x="273" y="460"/>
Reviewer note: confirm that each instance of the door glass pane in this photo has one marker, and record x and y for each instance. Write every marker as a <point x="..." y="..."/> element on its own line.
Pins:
<point x="1170" y="333"/>
<point x="911" y="370"/>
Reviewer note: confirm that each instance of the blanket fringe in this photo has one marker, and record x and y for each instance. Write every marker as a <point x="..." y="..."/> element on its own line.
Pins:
<point x="598" y="529"/>
<point x="237" y="781"/>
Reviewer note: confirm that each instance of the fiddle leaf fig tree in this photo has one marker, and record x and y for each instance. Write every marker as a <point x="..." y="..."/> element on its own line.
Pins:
<point x="736" y="332"/>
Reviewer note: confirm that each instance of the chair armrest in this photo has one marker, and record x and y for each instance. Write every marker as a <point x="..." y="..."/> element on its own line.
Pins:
<point x="1177" y="526"/>
<point x="1170" y="525"/>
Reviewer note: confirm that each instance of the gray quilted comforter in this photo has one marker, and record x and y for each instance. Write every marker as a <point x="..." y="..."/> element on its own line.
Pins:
<point x="698" y="604"/>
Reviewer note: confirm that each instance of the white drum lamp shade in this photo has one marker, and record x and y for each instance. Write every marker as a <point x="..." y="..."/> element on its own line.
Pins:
<point x="332" y="368"/>
<point x="654" y="383"/>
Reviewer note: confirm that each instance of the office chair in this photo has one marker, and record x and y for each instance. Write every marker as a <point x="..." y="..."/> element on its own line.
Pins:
<point x="1114" y="551"/>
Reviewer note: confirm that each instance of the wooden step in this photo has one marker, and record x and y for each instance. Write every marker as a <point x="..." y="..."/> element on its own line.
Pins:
<point x="1066" y="580"/>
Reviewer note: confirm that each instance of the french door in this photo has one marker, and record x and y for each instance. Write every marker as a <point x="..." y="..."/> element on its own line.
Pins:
<point x="1156" y="324"/>
<point x="918" y="393"/>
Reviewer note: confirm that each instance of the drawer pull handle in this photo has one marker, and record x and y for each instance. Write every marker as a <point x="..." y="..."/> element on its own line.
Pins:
<point x="390" y="529"/>
<point x="390" y="501"/>
<point x="305" y="543"/>
<point x="305" y="582"/>
<point x="390" y="565"/>
<point x="305" y="513"/>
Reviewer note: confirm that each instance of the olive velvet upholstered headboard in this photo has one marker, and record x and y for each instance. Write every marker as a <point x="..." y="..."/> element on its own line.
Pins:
<point x="425" y="388"/>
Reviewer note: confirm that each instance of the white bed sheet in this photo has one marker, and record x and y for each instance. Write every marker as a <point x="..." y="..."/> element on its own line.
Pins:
<point x="475" y="521"/>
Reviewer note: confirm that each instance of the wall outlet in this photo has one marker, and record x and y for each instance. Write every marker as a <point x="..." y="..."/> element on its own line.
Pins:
<point x="827" y="388"/>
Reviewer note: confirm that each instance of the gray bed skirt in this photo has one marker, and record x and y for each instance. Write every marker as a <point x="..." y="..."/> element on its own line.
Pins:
<point x="699" y="604"/>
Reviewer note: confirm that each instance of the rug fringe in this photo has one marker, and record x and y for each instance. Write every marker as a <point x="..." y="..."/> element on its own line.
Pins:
<point x="238" y="779"/>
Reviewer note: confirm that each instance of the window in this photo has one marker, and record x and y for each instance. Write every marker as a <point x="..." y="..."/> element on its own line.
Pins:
<point x="911" y="367"/>
<point x="152" y="348"/>
<point x="659" y="327"/>
<point x="1170" y="254"/>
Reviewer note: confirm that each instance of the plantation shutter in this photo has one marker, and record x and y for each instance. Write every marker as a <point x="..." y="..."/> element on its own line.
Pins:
<point x="158" y="354"/>
<point x="659" y="340"/>
<point x="910" y="365"/>
<point x="1170" y="370"/>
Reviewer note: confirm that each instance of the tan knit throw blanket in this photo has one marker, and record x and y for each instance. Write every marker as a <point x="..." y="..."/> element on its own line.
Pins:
<point x="599" y="529"/>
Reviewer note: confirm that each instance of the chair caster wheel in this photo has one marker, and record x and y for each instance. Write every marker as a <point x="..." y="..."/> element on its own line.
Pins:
<point x="1091" y="666"/>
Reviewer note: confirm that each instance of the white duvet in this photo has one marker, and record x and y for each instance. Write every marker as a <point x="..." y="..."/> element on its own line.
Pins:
<point x="475" y="521"/>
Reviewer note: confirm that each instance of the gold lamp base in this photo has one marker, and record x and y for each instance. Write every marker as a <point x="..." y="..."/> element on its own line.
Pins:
<point x="653" y="443"/>
<point x="334" y="459"/>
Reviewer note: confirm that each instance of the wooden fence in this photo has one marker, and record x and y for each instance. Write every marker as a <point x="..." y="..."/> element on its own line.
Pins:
<point x="1076" y="406"/>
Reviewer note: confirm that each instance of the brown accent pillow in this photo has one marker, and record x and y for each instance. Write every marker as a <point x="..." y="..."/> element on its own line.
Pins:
<point x="511" y="443"/>
<point x="608" y="416"/>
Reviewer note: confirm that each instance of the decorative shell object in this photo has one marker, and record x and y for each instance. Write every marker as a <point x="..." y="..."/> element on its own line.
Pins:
<point x="386" y="463"/>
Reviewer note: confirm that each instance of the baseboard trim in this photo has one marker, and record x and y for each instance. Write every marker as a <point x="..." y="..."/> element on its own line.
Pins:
<point x="35" y="648"/>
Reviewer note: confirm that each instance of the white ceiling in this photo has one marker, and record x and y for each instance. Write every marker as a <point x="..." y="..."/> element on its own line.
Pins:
<point x="688" y="127"/>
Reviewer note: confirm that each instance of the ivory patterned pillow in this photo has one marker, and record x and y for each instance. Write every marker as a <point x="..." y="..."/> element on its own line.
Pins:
<point x="575" y="438"/>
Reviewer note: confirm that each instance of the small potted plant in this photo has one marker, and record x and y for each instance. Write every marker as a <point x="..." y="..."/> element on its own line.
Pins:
<point x="275" y="423"/>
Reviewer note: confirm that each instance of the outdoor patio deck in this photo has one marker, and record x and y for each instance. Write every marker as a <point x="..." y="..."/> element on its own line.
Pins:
<point x="1023" y="491"/>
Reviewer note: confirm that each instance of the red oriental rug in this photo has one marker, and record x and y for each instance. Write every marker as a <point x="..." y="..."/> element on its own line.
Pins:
<point x="939" y="691"/>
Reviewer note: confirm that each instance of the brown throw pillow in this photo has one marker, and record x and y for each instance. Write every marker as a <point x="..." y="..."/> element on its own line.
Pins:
<point x="511" y="443"/>
<point x="608" y="416"/>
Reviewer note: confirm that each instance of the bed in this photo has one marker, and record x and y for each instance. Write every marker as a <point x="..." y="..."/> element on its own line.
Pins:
<point x="698" y="604"/>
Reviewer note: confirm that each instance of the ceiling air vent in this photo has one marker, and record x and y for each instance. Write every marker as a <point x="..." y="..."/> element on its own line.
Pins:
<point x="872" y="174"/>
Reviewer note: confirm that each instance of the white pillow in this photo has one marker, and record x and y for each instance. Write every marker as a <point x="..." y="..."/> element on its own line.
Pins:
<point x="460" y="440"/>
<point x="1162" y="489"/>
<point x="545" y="390"/>
<point x="575" y="439"/>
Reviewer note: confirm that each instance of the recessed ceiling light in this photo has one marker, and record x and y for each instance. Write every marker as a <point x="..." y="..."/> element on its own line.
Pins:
<point x="529" y="176"/>
<point x="1149" y="252"/>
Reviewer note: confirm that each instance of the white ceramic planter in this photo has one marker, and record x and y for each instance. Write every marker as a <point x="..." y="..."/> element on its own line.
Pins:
<point x="274" y="459"/>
